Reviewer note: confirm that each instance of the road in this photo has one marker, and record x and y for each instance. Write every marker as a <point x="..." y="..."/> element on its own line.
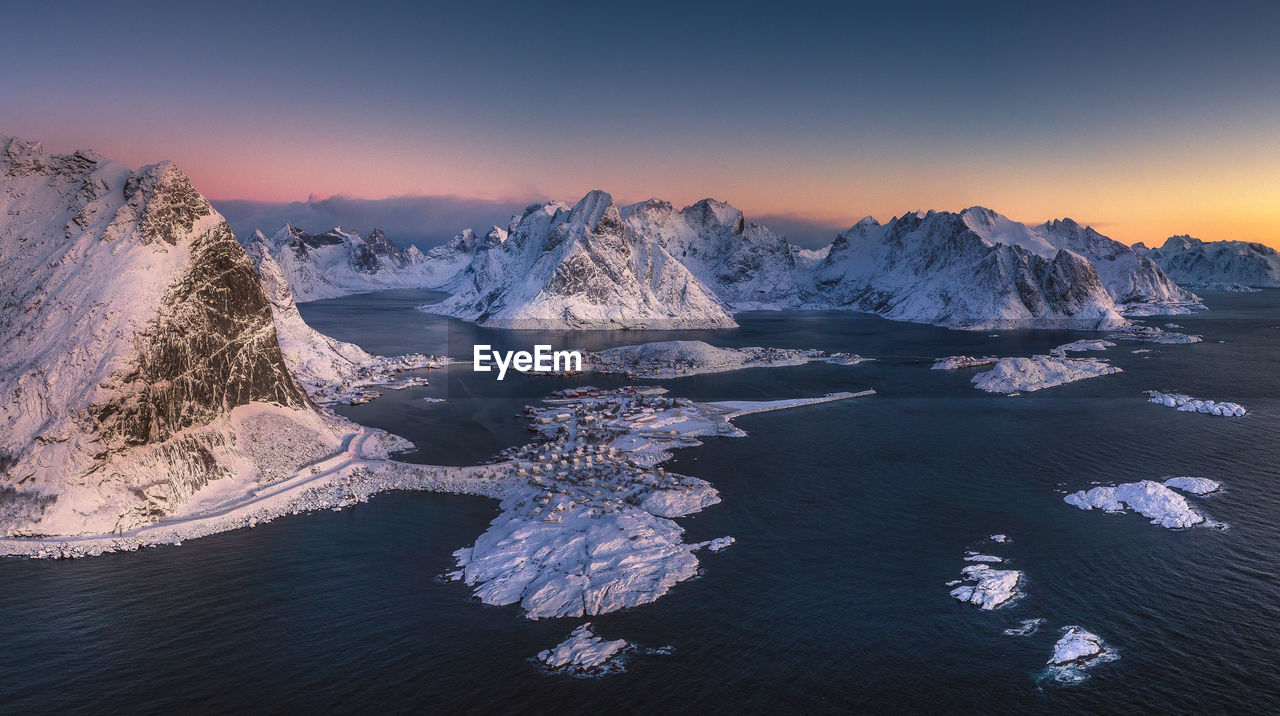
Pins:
<point x="352" y="451"/>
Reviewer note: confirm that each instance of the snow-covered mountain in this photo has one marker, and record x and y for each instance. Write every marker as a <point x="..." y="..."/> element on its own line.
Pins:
<point x="746" y="265"/>
<point x="973" y="269"/>
<point x="140" y="360"/>
<point x="311" y="356"/>
<point x="447" y="260"/>
<point x="1196" y="263"/>
<point x="337" y="263"/>
<point x="582" y="268"/>
<point x="1137" y="285"/>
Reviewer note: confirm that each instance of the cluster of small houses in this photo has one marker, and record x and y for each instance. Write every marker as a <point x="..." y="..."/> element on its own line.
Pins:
<point x="583" y="466"/>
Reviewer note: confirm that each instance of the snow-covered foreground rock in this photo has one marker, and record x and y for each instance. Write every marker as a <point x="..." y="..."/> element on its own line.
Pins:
<point x="1076" y="645"/>
<point x="1187" y="404"/>
<point x="1015" y="375"/>
<point x="330" y="370"/>
<point x="582" y="653"/>
<point x="673" y="359"/>
<point x="991" y="588"/>
<point x="983" y="585"/>
<point x="144" y="365"/>
<point x="1148" y="498"/>
<point x="1193" y="485"/>
<point x="1075" y="653"/>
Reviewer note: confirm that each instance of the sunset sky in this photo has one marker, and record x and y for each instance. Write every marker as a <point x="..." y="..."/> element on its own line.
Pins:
<point x="1144" y="121"/>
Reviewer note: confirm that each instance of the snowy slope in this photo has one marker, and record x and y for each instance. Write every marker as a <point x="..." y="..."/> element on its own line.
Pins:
<point x="579" y="267"/>
<point x="1135" y="283"/>
<point x="140" y="356"/>
<point x="937" y="268"/>
<point x="1193" y="262"/>
<point x="337" y="263"/>
<point x="310" y="355"/>
<point x="746" y="265"/>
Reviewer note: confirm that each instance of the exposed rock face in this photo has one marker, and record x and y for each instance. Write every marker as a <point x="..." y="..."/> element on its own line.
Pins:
<point x="311" y="356"/>
<point x="936" y="268"/>
<point x="1192" y="262"/>
<point x="1135" y="282"/>
<point x="745" y="265"/>
<point x="579" y="267"/>
<point x="134" y="326"/>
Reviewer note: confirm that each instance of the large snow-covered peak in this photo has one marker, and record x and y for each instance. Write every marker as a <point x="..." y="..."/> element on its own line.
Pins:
<point x="596" y="207"/>
<point x="1137" y="284"/>
<point x="936" y="267"/>
<point x="146" y="329"/>
<point x="580" y="267"/>
<point x="1181" y="242"/>
<point x="711" y="213"/>
<point x="999" y="229"/>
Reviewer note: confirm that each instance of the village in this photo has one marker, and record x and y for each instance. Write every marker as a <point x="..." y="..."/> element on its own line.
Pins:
<point x="601" y="448"/>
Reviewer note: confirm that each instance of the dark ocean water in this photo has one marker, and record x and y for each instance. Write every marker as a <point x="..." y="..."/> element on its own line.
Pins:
<point x="849" y="519"/>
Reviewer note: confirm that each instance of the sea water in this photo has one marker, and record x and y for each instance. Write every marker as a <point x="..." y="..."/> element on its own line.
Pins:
<point x="850" y="517"/>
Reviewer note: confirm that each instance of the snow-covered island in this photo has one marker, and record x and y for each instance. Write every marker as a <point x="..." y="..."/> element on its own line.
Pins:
<point x="587" y="527"/>
<point x="1082" y="345"/>
<point x="583" y="653"/>
<point x="674" y="359"/>
<point x="1152" y="334"/>
<point x="1016" y="375"/>
<point x="984" y="586"/>
<point x="1148" y="498"/>
<point x="1193" y="485"/>
<point x="963" y="362"/>
<point x="1075" y="653"/>
<point x="1187" y="404"/>
<point x="1076" y="646"/>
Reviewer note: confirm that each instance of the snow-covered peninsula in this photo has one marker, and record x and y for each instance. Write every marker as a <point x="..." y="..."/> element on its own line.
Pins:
<point x="675" y="359"/>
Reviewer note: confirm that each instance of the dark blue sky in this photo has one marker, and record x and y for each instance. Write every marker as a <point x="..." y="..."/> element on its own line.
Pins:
<point x="1144" y="118"/>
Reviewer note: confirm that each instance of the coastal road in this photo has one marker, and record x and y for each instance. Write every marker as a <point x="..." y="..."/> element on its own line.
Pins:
<point x="351" y="452"/>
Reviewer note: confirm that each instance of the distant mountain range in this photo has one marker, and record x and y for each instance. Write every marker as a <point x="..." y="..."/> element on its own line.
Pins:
<point x="1216" y="265"/>
<point x="595" y="265"/>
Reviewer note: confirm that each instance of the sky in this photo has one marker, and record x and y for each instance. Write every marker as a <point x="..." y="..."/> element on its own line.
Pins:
<point x="1141" y="119"/>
